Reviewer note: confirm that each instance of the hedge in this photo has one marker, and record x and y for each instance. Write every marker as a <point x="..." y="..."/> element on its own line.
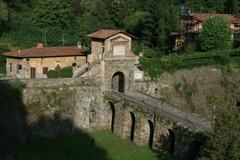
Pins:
<point x="154" y="67"/>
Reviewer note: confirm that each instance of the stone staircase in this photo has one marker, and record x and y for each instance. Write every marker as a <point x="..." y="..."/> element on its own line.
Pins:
<point x="78" y="72"/>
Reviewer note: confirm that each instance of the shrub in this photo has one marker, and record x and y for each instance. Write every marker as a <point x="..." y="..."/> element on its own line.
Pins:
<point x="216" y="33"/>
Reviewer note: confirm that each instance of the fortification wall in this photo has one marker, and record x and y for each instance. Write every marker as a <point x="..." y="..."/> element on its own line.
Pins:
<point x="62" y="106"/>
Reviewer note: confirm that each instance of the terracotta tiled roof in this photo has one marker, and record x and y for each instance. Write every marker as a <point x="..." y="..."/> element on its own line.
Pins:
<point x="46" y="52"/>
<point x="106" y="33"/>
<point x="202" y="16"/>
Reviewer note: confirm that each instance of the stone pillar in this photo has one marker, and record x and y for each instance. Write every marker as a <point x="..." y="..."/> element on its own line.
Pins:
<point x="119" y="119"/>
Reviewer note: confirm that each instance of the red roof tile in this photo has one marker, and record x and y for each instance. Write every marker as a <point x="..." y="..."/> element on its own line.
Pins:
<point x="46" y="52"/>
<point x="202" y="16"/>
<point x="106" y="33"/>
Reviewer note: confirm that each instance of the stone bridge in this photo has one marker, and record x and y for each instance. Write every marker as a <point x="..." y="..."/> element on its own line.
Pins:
<point x="156" y="124"/>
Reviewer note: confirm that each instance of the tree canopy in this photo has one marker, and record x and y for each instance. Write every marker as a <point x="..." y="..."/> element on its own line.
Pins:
<point x="27" y="22"/>
<point x="216" y="33"/>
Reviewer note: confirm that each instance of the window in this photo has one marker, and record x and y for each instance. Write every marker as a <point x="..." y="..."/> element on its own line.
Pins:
<point x="45" y="70"/>
<point x="10" y="67"/>
<point x="19" y="67"/>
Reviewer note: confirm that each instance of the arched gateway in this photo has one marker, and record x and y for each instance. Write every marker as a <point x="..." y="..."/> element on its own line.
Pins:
<point x="118" y="82"/>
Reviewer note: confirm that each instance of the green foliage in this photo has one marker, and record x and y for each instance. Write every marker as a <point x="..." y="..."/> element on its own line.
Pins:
<point x="225" y="142"/>
<point x="187" y="90"/>
<point x="63" y="73"/>
<point x="135" y="23"/>
<point x="3" y="12"/>
<point x="52" y="13"/>
<point x="163" y="19"/>
<point x="154" y="67"/>
<point x="119" y="9"/>
<point x="216" y="33"/>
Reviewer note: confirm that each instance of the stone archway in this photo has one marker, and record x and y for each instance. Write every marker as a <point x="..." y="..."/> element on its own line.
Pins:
<point x="118" y="82"/>
<point x="151" y="134"/>
<point x="171" y="141"/>
<point x="112" y="120"/>
<point x="129" y="126"/>
<point x="132" y="126"/>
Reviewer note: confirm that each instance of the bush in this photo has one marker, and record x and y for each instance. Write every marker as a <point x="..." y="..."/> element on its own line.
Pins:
<point x="216" y="33"/>
<point x="64" y="73"/>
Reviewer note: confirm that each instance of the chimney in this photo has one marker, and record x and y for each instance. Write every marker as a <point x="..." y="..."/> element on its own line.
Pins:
<point x="79" y="45"/>
<point x="19" y="51"/>
<point x="40" y="45"/>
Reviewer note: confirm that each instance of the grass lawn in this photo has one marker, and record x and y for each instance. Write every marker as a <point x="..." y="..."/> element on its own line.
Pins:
<point x="106" y="146"/>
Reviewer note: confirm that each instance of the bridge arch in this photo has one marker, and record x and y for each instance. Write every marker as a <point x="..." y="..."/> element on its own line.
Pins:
<point x="112" y="118"/>
<point x="151" y="133"/>
<point x="171" y="141"/>
<point x="118" y="82"/>
<point x="129" y="125"/>
<point x="133" y="118"/>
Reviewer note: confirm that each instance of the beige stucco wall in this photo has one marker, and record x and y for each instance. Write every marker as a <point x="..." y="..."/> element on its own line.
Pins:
<point x="96" y="50"/>
<point x="39" y="64"/>
<point x="104" y="48"/>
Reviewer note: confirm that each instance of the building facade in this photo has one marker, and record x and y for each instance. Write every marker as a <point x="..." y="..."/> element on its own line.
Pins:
<point x="36" y="62"/>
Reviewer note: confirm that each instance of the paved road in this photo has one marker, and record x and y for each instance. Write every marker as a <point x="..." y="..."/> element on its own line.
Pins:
<point x="166" y="110"/>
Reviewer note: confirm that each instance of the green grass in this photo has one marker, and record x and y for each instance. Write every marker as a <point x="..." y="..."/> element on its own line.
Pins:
<point x="64" y="73"/>
<point x="107" y="146"/>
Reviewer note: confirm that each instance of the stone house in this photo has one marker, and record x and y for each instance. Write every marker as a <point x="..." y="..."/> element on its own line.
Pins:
<point x="191" y="27"/>
<point x="36" y="62"/>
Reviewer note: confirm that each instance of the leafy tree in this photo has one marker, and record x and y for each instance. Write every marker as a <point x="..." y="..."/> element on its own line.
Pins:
<point x="3" y="12"/>
<point x="52" y="13"/>
<point x="135" y="23"/>
<point x="118" y="10"/>
<point x="162" y="20"/>
<point x="216" y="33"/>
<point x="224" y="144"/>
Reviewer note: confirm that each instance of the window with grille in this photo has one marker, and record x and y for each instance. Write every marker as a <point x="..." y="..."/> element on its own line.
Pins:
<point x="45" y="70"/>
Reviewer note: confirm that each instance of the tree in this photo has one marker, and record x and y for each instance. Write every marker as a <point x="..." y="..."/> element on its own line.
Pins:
<point x="216" y="33"/>
<point x="52" y="13"/>
<point x="3" y="12"/>
<point x="163" y="18"/>
<point x="224" y="144"/>
<point x="118" y="10"/>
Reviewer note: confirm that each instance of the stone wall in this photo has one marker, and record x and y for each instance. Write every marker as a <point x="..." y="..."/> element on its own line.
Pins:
<point x="194" y="91"/>
<point x="62" y="106"/>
